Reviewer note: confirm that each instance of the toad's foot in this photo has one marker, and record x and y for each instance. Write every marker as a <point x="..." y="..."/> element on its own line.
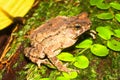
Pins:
<point x="93" y="34"/>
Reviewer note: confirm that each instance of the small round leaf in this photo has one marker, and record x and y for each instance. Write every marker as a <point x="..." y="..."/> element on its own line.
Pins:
<point x="70" y="75"/>
<point x="81" y="62"/>
<point x="65" y="56"/>
<point x="45" y="79"/>
<point x="105" y="16"/>
<point x="62" y="78"/>
<point x="114" y="45"/>
<point x="117" y="33"/>
<point x="99" y="50"/>
<point x="95" y="2"/>
<point x="117" y="17"/>
<point x="104" y="32"/>
<point x="115" y="5"/>
<point x="103" y="6"/>
<point x="84" y="44"/>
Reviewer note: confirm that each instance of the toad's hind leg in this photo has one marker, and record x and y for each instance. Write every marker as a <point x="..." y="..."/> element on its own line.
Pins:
<point x="35" y="56"/>
<point x="30" y="51"/>
<point x="40" y="61"/>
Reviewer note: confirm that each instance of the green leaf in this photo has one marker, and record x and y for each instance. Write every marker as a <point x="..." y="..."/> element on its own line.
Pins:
<point x="103" y="6"/>
<point x="65" y="56"/>
<point x="81" y="62"/>
<point x="62" y="78"/>
<point x="115" y="5"/>
<point x="12" y="9"/>
<point x="117" y="33"/>
<point x="36" y="76"/>
<point x="73" y="75"/>
<point x="45" y="79"/>
<point x="99" y="50"/>
<point x="114" y="45"/>
<point x="104" y="32"/>
<point x="117" y="17"/>
<point x="70" y="75"/>
<point x="66" y="75"/>
<point x="95" y="2"/>
<point x="84" y="44"/>
<point x="105" y="16"/>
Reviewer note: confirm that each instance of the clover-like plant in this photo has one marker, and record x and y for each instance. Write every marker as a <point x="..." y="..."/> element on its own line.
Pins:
<point x="106" y="6"/>
<point x="81" y="61"/>
<point x="96" y="49"/>
<point x="106" y="33"/>
<point x="67" y="76"/>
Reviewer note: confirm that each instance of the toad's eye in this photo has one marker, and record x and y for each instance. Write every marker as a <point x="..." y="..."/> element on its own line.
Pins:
<point x="77" y="25"/>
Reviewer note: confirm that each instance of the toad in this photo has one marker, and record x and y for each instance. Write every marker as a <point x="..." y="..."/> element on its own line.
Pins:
<point x="49" y="39"/>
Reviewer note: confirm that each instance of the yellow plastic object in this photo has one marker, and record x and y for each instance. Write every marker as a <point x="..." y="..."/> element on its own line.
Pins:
<point x="13" y="8"/>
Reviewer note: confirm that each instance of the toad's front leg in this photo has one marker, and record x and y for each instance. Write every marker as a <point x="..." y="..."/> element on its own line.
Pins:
<point x="55" y="61"/>
<point x="58" y="64"/>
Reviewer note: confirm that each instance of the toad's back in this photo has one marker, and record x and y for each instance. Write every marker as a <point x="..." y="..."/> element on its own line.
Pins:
<point x="49" y="39"/>
<point x="50" y="28"/>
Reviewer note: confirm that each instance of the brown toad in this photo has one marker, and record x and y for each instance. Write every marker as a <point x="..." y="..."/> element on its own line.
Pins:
<point x="49" y="39"/>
